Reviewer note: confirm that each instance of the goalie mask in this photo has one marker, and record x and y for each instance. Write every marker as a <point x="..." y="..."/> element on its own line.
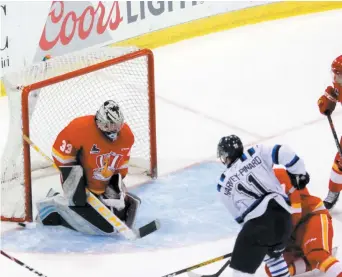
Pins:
<point x="109" y="119"/>
<point x="229" y="149"/>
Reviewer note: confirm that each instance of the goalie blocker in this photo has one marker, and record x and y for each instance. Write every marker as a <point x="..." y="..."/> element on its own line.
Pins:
<point x="73" y="211"/>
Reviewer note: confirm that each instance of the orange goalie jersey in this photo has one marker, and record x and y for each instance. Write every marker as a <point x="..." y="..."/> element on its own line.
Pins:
<point x="82" y="142"/>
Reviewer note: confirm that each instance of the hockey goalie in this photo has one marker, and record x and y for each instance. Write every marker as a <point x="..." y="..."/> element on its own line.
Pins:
<point x="92" y="152"/>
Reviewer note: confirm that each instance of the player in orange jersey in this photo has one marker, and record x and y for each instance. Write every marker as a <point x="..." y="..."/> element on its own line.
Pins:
<point x="327" y="103"/>
<point x="92" y="152"/>
<point x="311" y="240"/>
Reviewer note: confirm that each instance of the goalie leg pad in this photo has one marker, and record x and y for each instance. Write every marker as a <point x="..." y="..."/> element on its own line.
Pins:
<point x="133" y="203"/>
<point x="55" y="211"/>
<point x="74" y="185"/>
<point x="92" y="217"/>
<point x="48" y="214"/>
<point x="47" y="209"/>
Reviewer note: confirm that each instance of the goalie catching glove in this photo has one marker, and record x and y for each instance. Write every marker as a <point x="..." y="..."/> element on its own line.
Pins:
<point x="122" y="203"/>
<point x="114" y="196"/>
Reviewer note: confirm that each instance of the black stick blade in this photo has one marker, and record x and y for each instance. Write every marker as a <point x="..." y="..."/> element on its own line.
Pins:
<point x="149" y="228"/>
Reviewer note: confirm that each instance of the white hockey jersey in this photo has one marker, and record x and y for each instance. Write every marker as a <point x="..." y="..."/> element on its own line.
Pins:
<point x="249" y="183"/>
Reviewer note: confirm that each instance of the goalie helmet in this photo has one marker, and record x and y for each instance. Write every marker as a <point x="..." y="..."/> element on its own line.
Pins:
<point x="109" y="119"/>
<point x="336" y="68"/>
<point x="229" y="149"/>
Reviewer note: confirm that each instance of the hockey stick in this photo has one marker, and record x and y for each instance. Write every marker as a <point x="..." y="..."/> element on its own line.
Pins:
<point x="217" y="274"/>
<point x="111" y="218"/>
<point x="22" y="264"/>
<point x="119" y="225"/>
<point x="188" y="269"/>
<point x="337" y="142"/>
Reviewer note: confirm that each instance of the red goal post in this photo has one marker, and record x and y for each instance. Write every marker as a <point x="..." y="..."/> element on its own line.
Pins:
<point x="126" y="78"/>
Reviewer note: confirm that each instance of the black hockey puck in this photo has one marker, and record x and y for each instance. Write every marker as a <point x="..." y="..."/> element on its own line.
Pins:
<point x="22" y="224"/>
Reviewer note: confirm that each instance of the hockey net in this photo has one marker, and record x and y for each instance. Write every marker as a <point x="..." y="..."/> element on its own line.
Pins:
<point x="45" y="97"/>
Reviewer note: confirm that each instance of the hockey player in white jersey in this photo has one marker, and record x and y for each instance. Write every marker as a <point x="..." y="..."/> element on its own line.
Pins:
<point x="253" y="195"/>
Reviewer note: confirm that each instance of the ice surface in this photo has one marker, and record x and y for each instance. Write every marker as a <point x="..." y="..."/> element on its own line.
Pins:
<point x="260" y="82"/>
<point x="184" y="202"/>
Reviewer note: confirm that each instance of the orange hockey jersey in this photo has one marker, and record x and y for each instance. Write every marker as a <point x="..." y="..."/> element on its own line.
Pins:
<point x="302" y="202"/>
<point x="81" y="142"/>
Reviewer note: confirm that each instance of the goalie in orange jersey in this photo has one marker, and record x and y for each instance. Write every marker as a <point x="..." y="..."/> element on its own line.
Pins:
<point x="311" y="240"/>
<point x="92" y="152"/>
<point x="327" y="104"/>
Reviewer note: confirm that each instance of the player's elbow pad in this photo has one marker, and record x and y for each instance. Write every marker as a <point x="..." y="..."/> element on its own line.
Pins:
<point x="283" y="155"/>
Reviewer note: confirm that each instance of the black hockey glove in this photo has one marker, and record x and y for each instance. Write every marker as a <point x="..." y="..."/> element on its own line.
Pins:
<point x="299" y="181"/>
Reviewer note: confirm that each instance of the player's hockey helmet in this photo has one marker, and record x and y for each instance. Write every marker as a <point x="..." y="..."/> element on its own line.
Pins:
<point x="229" y="147"/>
<point x="109" y="119"/>
<point x="336" y="68"/>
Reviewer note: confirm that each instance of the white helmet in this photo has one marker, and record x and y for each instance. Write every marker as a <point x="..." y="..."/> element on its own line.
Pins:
<point x="109" y="119"/>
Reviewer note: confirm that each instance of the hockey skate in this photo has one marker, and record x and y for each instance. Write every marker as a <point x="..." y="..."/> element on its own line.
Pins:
<point x="331" y="199"/>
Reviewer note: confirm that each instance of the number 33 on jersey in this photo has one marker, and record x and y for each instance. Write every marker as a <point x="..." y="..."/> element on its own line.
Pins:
<point x="82" y="142"/>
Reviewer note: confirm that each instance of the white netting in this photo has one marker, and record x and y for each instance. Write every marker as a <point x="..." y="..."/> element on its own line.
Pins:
<point x="53" y="107"/>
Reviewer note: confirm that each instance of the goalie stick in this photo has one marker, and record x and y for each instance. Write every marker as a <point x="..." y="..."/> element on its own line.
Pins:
<point x="188" y="269"/>
<point x="119" y="225"/>
<point x="22" y="264"/>
<point x="141" y="232"/>
<point x="111" y="218"/>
